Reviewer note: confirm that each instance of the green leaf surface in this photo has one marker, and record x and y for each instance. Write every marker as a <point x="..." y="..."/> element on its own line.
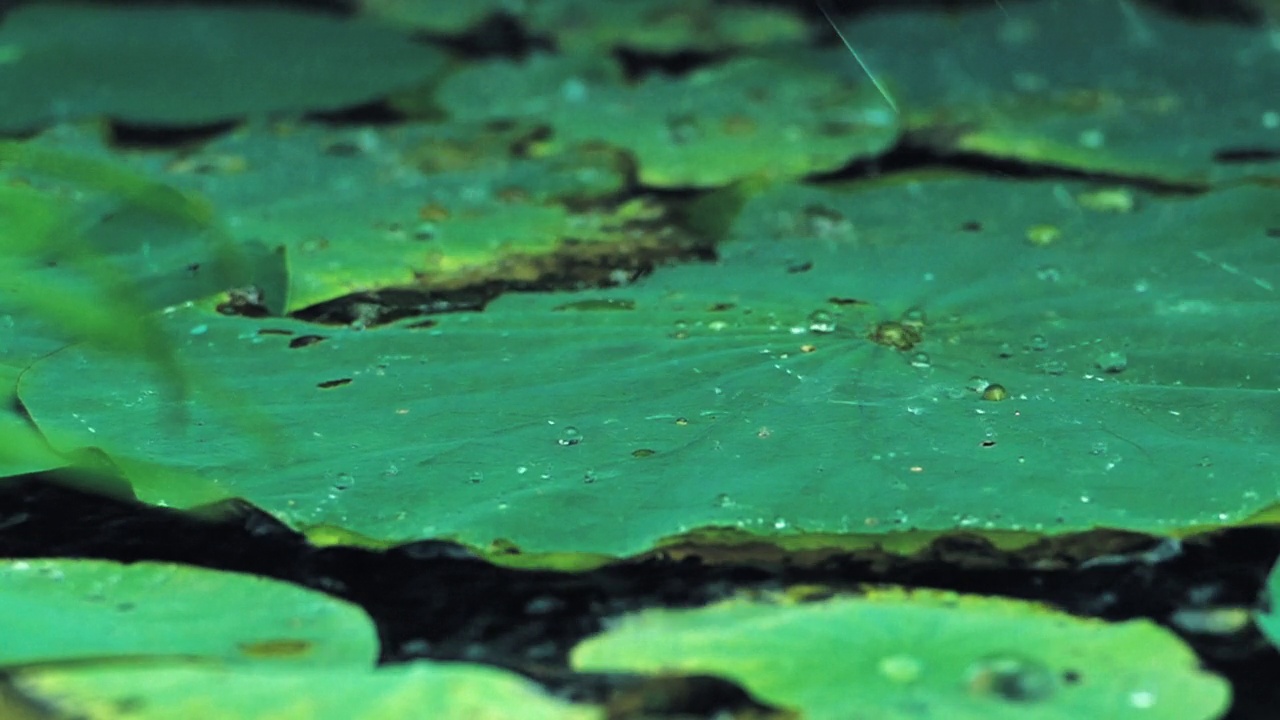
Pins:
<point x="1016" y="83"/>
<point x="919" y="655"/>
<point x="405" y="692"/>
<point x="1134" y="353"/>
<point x="772" y="116"/>
<point x="664" y="26"/>
<point x="70" y="610"/>
<point x="425" y="207"/>
<point x="189" y="65"/>
<point x="22" y="448"/>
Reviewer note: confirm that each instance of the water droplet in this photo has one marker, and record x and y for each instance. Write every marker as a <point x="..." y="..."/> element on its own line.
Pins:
<point x="723" y="500"/>
<point x="589" y="477"/>
<point x="995" y="393"/>
<point x="1011" y="677"/>
<point x="1048" y="273"/>
<point x="1042" y="235"/>
<point x="1038" y="343"/>
<point x="643" y="452"/>
<point x="977" y="383"/>
<point x="682" y="330"/>
<point x="1053" y="367"/>
<point x="476" y="477"/>
<point x="921" y="360"/>
<point x="1112" y="362"/>
<point x="901" y="669"/>
<point x="1142" y="699"/>
<point x="779" y="523"/>
<point x="569" y="436"/>
<point x="1005" y="351"/>
<point x="821" y="321"/>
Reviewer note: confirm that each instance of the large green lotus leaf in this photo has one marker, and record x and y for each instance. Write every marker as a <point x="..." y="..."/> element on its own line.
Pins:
<point x="192" y="65"/>
<point x="70" y="610"/>
<point x="434" y="17"/>
<point x="763" y="116"/>
<point x="1018" y="83"/>
<point x="664" y="26"/>
<point x="423" y="206"/>
<point x="1134" y="355"/>
<point x="912" y="655"/>
<point x="404" y="692"/>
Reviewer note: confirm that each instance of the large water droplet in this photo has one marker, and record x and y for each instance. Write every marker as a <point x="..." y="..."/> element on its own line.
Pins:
<point x="1011" y="677"/>
<point x="569" y="436"/>
<point x="1038" y="343"/>
<point x="921" y="360"/>
<point x="1142" y="699"/>
<point x="1111" y="362"/>
<point x="821" y="321"/>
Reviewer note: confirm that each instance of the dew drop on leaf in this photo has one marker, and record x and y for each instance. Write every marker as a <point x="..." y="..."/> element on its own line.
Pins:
<point x="1142" y="699"/>
<point x="921" y="360"/>
<point x="570" y="435"/>
<point x="1048" y="273"/>
<point x="995" y="393"/>
<point x="821" y="321"/>
<point x="1111" y="362"/>
<point x="1038" y="343"/>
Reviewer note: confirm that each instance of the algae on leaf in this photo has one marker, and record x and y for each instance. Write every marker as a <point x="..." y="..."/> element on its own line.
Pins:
<point x="897" y="655"/>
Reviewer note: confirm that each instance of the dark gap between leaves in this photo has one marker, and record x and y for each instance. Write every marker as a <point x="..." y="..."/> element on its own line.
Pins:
<point x="911" y="154"/>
